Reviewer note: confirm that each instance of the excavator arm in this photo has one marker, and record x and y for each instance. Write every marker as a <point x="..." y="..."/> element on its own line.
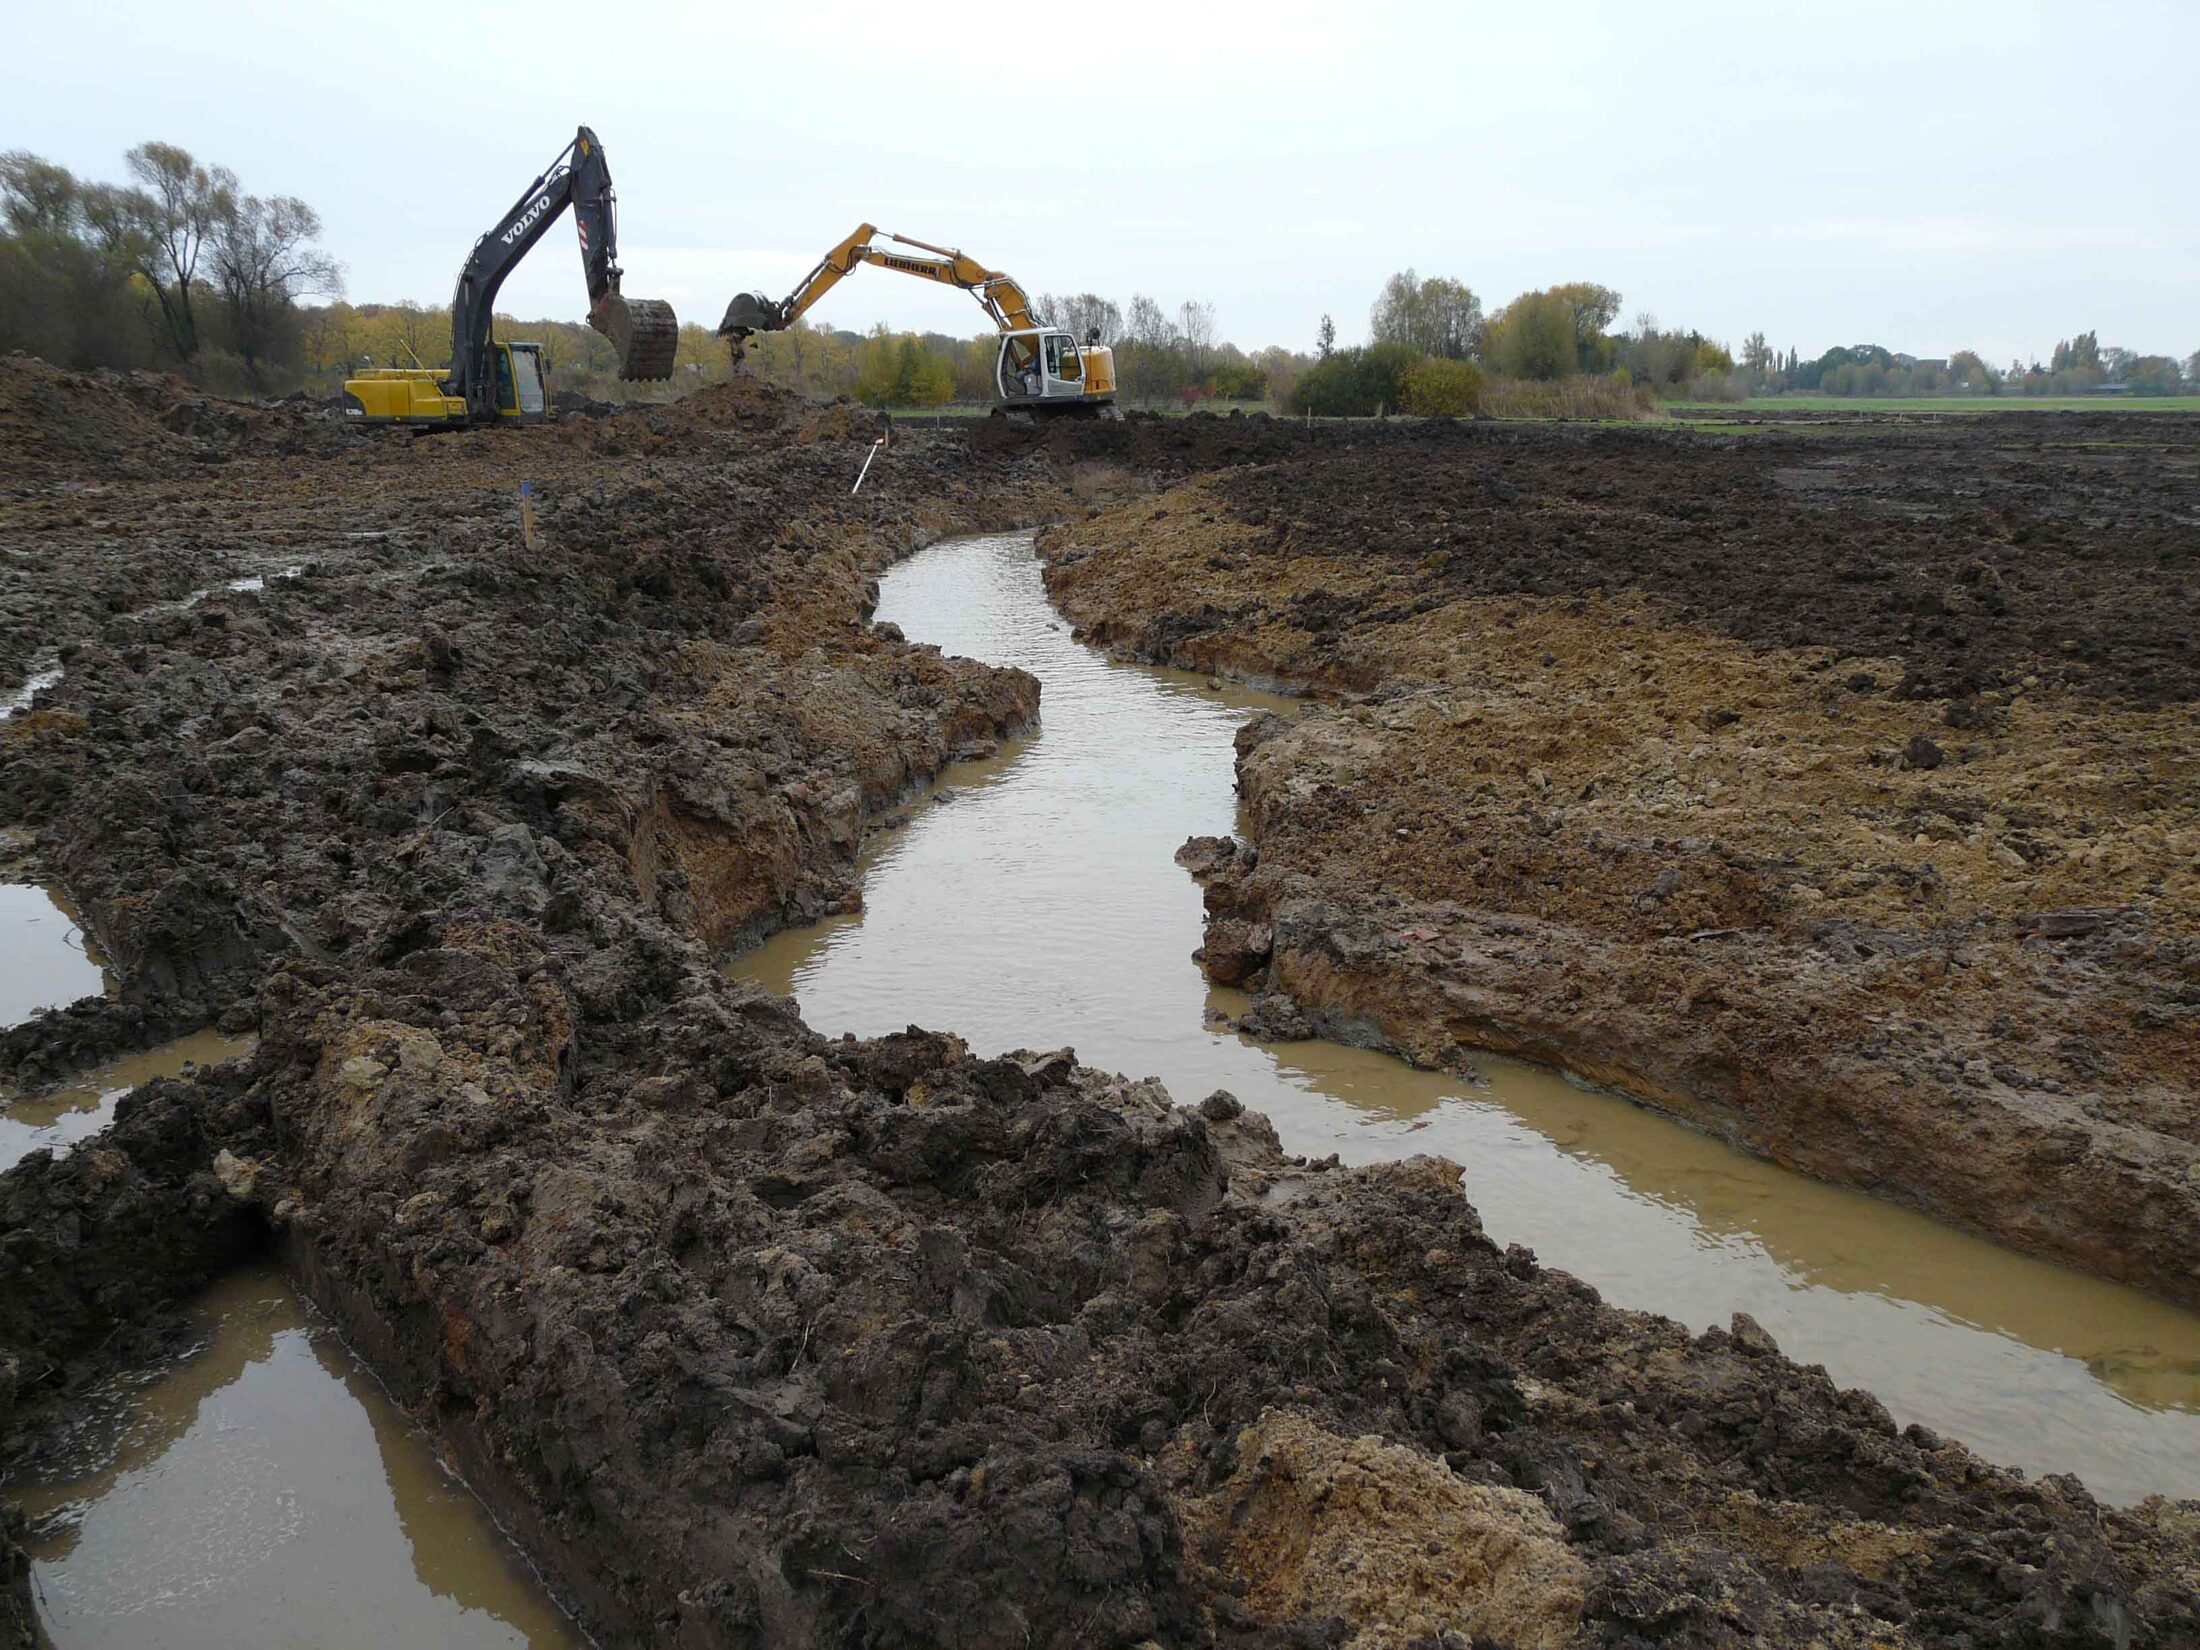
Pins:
<point x="1001" y="297"/>
<point x="644" y="329"/>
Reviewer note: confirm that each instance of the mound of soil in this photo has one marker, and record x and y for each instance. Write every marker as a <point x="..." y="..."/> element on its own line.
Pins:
<point x="57" y="425"/>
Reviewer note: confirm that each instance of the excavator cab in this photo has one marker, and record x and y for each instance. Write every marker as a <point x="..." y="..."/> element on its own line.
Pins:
<point x="523" y="387"/>
<point x="1045" y="369"/>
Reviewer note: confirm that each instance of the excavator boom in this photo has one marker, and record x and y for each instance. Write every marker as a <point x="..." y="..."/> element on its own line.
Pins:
<point x="1041" y="368"/>
<point x="490" y="380"/>
<point x="1002" y="298"/>
<point x="644" y="330"/>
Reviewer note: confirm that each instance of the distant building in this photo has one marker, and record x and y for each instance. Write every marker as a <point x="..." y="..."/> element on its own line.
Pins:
<point x="1931" y="363"/>
<point x="1903" y="360"/>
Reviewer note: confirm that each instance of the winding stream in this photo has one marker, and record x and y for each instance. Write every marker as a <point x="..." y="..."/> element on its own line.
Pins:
<point x="1036" y="903"/>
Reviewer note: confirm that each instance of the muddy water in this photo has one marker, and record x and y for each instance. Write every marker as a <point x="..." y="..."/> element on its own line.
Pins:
<point x="58" y="1118"/>
<point x="265" y="1491"/>
<point x="1038" y="905"/>
<point x="45" y="960"/>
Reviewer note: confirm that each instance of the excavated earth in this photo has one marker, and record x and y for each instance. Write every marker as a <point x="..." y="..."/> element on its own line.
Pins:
<point x="1838" y="792"/>
<point x="754" y="1337"/>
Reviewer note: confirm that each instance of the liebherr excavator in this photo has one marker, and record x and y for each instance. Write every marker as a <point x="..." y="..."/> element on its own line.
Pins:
<point x="488" y="380"/>
<point x="1040" y="369"/>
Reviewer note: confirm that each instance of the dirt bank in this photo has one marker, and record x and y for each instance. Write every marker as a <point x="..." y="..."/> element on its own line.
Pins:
<point x="1835" y="793"/>
<point x="755" y="1337"/>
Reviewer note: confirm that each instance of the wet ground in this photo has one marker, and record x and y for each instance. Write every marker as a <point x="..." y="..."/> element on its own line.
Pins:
<point x="1036" y="904"/>
<point x="54" y="1119"/>
<point x="45" y="961"/>
<point x="750" y="1333"/>
<point x="264" y="1490"/>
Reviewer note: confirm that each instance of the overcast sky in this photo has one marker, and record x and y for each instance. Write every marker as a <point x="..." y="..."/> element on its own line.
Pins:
<point x="1922" y="174"/>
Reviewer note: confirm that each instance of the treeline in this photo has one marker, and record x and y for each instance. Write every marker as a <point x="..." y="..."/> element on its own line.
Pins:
<point x="179" y="268"/>
<point x="2078" y="366"/>
<point x="1432" y="351"/>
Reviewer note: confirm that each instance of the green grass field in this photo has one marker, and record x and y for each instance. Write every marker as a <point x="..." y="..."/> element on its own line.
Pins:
<point x="1938" y="404"/>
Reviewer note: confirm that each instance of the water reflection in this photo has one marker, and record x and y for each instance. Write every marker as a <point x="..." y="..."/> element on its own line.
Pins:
<point x="265" y="1491"/>
<point x="1039" y="905"/>
<point x="58" y="1119"/>
<point x="45" y="959"/>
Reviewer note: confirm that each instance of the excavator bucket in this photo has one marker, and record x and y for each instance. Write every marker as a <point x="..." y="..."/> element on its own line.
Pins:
<point x="645" y="331"/>
<point x="750" y="312"/>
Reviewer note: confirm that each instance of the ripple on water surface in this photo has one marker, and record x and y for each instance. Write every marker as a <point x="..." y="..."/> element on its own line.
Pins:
<point x="265" y="1491"/>
<point x="1040" y="905"/>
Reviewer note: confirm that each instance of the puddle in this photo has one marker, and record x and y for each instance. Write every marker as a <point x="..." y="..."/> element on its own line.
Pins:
<point x="265" y="1491"/>
<point x="58" y="1119"/>
<point x="45" y="672"/>
<point x="45" y="959"/>
<point x="250" y="584"/>
<point x="1039" y="905"/>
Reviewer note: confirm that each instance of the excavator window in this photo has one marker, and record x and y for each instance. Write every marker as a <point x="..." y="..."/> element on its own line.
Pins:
<point x="1062" y="360"/>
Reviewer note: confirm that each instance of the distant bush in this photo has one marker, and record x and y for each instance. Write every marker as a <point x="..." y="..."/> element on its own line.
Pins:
<point x="1442" y="389"/>
<point x="1719" y="386"/>
<point x="1581" y="396"/>
<point x="1354" y="383"/>
<point x="1238" y="381"/>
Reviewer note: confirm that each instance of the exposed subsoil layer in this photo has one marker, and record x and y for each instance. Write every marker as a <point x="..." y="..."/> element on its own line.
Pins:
<point x="759" y="1338"/>
<point x="1836" y="793"/>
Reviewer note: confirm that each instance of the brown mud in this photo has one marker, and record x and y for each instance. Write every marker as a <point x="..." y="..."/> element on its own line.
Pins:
<point x="1836" y="794"/>
<point x="754" y="1337"/>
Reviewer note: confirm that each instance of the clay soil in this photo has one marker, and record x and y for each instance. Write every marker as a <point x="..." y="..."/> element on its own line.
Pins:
<point x="1835" y="791"/>
<point x="754" y="1337"/>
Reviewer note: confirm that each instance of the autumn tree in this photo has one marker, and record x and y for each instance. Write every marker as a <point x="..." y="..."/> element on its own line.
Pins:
<point x="68" y="251"/>
<point x="1532" y="337"/>
<point x="1590" y="309"/>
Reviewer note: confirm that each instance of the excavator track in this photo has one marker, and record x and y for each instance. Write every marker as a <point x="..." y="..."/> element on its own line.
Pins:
<point x="645" y="331"/>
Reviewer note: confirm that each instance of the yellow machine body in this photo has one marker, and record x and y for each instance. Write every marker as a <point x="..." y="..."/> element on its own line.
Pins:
<point x="416" y="395"/>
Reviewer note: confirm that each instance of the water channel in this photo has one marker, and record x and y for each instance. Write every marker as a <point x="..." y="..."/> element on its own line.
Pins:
<point x="1036" y="903"/>
<point x="261" y="1488"/>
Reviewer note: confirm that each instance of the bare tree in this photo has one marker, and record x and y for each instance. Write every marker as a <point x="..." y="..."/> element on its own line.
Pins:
<point x="1145" y="323"/>
<point x="1084" y="315"/>
<point x="264" y="261"/>
<point x="1757" y="357"/>
<point x="1436" y="317"/>
<point x="180" y="206"/>
<point x="1195" y="324"/>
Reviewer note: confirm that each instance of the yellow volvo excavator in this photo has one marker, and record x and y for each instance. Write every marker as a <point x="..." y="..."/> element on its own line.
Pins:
<point x="1040" y="369"/>
<point x="489" y="380"/>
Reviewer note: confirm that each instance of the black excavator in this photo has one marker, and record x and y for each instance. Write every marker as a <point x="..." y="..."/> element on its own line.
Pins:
<point x="488" y="380"/>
